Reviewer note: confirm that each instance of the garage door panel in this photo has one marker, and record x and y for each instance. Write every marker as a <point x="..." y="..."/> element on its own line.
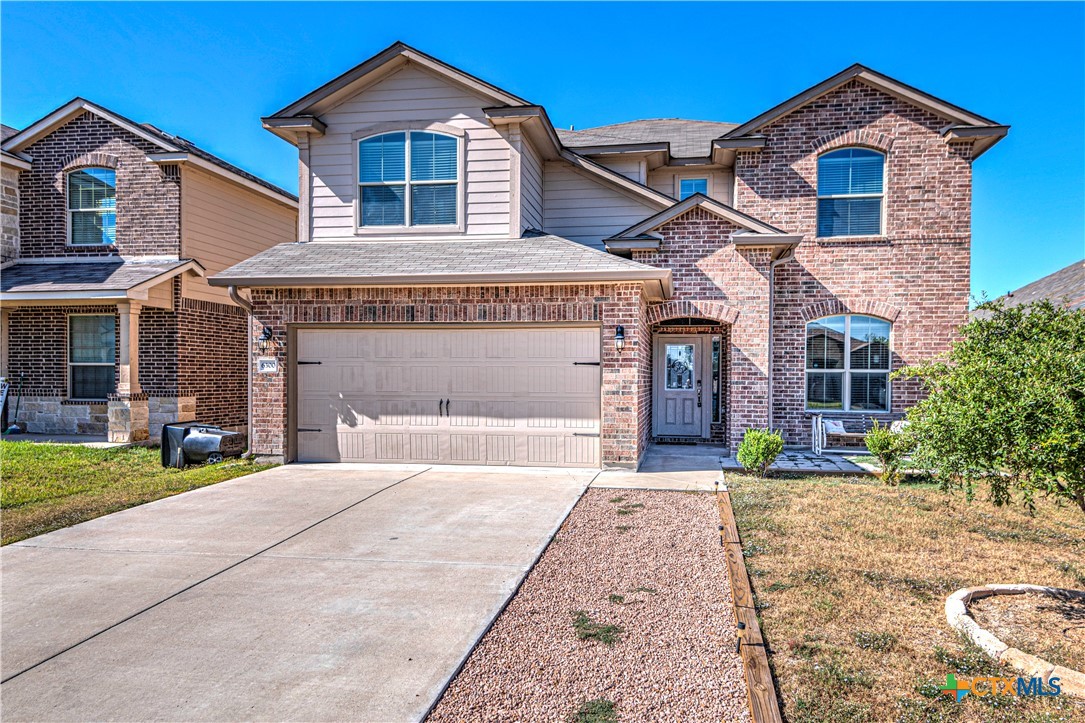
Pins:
<point x="515" y="395"/>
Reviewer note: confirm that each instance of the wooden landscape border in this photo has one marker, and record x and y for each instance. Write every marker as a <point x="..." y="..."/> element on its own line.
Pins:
<point x="764" y="706"/>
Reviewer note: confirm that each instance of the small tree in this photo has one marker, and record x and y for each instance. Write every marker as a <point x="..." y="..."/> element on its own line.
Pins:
<point x="889" y="447"/>
<point x="1007" y="405"/>
<point x="759" y="449"/>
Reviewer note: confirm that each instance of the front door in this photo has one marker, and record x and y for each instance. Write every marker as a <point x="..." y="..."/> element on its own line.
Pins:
<point x="680" y="391"/>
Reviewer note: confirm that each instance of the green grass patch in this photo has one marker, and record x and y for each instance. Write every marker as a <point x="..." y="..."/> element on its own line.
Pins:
<point x="588" y="629"/>
<point x="45" y="487"/>
<point x="599" y="710"/>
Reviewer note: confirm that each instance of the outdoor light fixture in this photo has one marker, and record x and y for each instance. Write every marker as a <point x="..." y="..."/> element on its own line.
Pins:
<point x="265" y="338"/>
<point x="619" y="338"/>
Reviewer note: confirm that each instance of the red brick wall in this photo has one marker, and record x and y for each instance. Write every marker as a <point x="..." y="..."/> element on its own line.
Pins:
<point x="623" y="374"/>
<point x="920" y="268"/>
<point x="211" y="359"/>
<point x="38" y="347"/>
<point x="148" y="196"/>
<point x="708" y="267"/>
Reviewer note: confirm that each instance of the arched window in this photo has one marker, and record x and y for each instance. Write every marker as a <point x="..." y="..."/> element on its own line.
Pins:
<point x="408" y="178"/>
<point x="92" y="207"/>
<point x="847" y="364"/>
<point x="851" y="192"/>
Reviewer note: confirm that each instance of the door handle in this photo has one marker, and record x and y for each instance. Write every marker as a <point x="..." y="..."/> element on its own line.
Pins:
<point x="440" y="407"/>
<point x="448" y="407"/>
<point x="698" y="392"/>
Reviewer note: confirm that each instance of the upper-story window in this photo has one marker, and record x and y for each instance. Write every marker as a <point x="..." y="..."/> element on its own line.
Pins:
<point x="689" y="186"/>
<point x="92" y="207"/>
<point x="847" y="364"/>
<point x="408" y="179"/>
<point x="850" y="192"/>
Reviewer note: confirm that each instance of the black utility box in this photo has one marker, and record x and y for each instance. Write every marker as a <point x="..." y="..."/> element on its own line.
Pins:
<point x="194" y="442"/>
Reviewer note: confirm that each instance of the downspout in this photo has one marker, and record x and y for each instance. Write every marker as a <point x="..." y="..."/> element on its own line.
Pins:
<point x="787" y="256"/>
<point x="247" y="306"/>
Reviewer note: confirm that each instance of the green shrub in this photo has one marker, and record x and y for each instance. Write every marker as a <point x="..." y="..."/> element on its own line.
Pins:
<point x="759" y="449"/>
<point x="889" y="447"/>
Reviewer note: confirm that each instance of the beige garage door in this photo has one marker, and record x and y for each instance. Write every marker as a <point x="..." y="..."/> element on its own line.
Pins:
<point x="503" y="396"/>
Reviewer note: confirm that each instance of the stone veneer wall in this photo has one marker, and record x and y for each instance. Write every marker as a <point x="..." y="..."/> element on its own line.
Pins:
<point x="625" y="421"/>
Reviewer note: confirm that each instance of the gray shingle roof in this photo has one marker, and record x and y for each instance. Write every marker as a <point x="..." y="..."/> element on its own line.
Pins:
<point x="688" y="138"/>
<point x="1065" y="287"/>
<point x="7" y="132"/>
<point x="82" y="275"/>
<point x="545" y="256"/>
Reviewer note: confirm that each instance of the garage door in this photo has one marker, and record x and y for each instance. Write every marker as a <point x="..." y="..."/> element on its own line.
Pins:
<point x="503" y="396"/>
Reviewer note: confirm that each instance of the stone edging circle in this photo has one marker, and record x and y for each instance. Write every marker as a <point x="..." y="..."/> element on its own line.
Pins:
<point x="1072" y="681"/>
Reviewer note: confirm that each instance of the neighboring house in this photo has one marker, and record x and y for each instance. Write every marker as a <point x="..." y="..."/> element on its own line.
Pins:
<point x="1065" y="287"/>
<point x="453" y="299"/>
<point x="109" y="229"/>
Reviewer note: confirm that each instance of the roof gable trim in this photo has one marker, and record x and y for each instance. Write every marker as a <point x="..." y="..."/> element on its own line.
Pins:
<point x="881" y="82"/>
<point x="69" y="110"/>
<point x="396" y="53"/>
<point x="640" y="234"/>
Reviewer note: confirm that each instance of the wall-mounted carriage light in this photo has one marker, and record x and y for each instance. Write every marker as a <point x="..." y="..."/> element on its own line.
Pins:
<point x="265" y="338"/>
<point x="619" y="338"/>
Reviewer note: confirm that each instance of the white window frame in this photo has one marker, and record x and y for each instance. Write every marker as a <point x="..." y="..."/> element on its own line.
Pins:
<point x="68" y="357"/>
<point x="698" y="177"/>
<point x="883" y="195"/>
<point x="408" y="228"/>
<point x="69" y="211"/>
<point x="845" y="385"/>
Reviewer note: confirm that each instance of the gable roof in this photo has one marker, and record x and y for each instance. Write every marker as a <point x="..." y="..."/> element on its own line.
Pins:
<point x="7" y="132"/>
<point x="955" y="115"/>
<point x="686" y="138"/>
<point x="1065" y="287"/>
<point x="394" y="55"/>
<point x="533" y="259"/>
<point x="167" y="142"/>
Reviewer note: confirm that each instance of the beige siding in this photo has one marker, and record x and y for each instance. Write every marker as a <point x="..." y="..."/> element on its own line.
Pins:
<point x="223" y="224"/>
<point x="531" y="188"/>
<point x="633" y="168"/>
<point x="582" y="209"/>
<point x="410" y="95"/>
<point x="721" y="185"/>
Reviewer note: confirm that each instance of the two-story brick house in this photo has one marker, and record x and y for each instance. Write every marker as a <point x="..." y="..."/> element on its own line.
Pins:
<point x="110" y="228"/>
<point x="473" y="285"/>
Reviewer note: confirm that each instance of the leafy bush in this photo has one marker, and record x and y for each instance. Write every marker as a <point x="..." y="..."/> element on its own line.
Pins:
<point x="889" y="447"/>
<point x="759" y="449"/>
<point x="1007" y="405"/>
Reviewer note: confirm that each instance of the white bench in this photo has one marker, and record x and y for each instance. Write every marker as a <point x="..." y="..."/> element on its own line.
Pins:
<point x="825" y="428"/>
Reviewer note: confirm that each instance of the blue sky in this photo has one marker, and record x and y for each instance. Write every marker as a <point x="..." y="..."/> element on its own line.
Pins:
<point x="208" y="71"/>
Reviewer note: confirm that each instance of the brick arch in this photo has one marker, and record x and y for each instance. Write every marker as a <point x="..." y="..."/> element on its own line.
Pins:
<point x="95" y="159"/>
<point x="835" y="307"/>
<point x="854" y="137"/>
<point x="680" y="309"/>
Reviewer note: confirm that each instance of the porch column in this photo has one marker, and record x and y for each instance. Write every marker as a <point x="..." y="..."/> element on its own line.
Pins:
<point x="128" y="413"/>
<point x="3" y="342"/>
<point x="128" y="330"/>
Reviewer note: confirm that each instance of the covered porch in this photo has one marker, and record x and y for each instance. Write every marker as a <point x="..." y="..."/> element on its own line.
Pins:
<point x="74" y="333"/>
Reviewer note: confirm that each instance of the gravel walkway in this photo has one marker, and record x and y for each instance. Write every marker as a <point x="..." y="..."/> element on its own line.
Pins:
<point x="675" y="659"/>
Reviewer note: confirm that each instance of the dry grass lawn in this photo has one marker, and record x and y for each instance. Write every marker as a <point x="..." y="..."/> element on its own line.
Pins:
<point x="851" y="577"/>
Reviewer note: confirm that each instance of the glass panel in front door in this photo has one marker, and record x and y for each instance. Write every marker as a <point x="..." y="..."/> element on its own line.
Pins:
<point x="680" y="366"/>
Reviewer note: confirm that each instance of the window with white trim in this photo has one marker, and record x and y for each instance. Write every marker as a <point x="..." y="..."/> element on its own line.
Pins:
<point x="689" y="186"/>
<point x="92" y="207"/>
<point x="847" y="364"/>
<point x="408" y="178"/>
<point x="851" y="192"/>
<point x="92" y="355"/>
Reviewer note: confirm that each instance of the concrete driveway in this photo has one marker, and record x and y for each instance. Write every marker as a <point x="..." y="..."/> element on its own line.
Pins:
<point x="307" y="592"/>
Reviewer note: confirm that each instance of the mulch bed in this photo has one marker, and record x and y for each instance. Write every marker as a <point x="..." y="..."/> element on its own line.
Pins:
<point x="647" y="562"/>
<point x="1037" y="624"/>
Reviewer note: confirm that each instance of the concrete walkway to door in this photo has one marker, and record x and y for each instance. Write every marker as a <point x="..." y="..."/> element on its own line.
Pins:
<point x="307" y="592"/>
